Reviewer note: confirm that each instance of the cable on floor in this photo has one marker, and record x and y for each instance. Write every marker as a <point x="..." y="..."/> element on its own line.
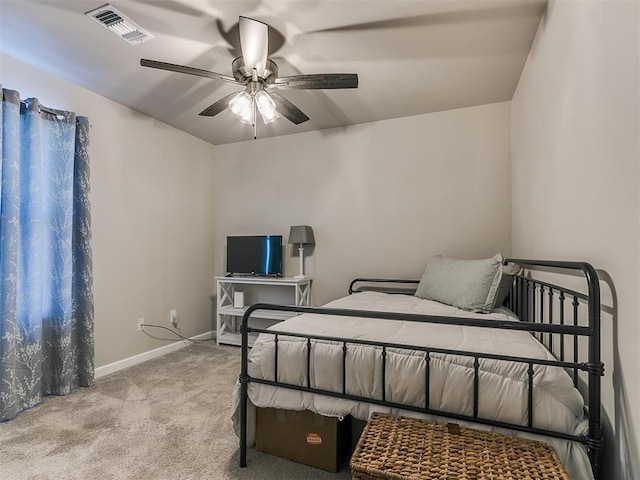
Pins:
<point x="172" y="331"/>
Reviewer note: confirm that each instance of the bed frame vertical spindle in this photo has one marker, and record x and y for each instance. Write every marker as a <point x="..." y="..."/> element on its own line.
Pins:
<point x="344" y="368"/>
<point x="427" y="375"/>
<point x="575" y="340"/>
<point x="561" y="300"/>
<point x="476" y="384"/>
<point x="550" y="319"/>
<point x="275" y="360"/>
<point x="384" y="374"/>
<point x="541" y="336"/>
<point x="530" y="396"/>
<point x="308" y="363"/>
<point x="532" y="301"/>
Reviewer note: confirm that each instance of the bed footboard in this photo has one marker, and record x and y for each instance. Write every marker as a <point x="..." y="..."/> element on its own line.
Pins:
<point x="550" y="321"/>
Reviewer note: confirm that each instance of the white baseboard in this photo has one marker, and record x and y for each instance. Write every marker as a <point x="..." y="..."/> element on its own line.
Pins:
<point x="143" y="357"/>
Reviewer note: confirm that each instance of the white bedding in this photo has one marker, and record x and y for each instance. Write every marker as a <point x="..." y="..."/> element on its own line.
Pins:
<point x="503" y="386"/>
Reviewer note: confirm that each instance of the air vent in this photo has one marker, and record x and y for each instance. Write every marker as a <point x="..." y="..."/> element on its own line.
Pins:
<point x="119" y="24"/>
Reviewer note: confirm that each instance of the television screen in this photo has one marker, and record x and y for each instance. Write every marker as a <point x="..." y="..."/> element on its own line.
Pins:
<point x="255" y="255"/>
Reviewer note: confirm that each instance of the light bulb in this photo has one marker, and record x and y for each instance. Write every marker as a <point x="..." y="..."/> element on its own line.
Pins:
<point x="247" y="115"/>
<point x="266" y="107"/>
<point x="242" y="106"/>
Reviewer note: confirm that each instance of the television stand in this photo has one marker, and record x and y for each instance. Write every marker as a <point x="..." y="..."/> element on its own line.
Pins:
<point x="256" y="289"/>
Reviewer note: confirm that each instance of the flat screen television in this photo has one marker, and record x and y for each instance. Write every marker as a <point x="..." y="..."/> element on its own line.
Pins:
<point x="254" y="255"/>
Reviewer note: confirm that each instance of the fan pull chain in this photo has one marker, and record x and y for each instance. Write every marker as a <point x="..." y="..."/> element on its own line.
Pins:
<point x="255" y="123"/>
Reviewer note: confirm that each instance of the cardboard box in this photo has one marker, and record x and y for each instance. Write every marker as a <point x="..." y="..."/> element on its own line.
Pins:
<point x="303" y="436"/>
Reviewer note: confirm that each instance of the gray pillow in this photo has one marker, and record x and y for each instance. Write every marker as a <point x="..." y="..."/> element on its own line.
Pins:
<point x="467" y="284"/>
<point x="508" y="272"/>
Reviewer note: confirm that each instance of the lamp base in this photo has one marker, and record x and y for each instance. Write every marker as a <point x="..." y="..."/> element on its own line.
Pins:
<point x="300" y="276"/>
<point x="301" y="253"/>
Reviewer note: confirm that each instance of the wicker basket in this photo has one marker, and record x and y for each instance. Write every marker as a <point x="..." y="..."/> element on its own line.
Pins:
<point x="400" y="448"/>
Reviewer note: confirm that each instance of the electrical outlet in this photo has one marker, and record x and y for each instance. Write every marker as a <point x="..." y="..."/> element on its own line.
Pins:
<point x="173" y="318"/>
<point x="140" y="323"/>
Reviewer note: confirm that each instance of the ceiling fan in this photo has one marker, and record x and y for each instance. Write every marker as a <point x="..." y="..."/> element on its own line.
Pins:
<point x="259" y="75"/>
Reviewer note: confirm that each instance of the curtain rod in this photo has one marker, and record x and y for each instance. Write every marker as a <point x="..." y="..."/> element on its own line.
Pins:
<point x="41" y="108"/>
<point x="47" y="110"/>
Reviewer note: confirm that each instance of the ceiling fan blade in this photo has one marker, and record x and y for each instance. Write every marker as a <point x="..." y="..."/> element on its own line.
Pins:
<point x="179" y="6"/>
<point x="232" y="37"/>
<point x="320" y="80"/>
<point x="188" y="70"/>
<point x="219" y="106"/>
<point x="451" y="15"/>
<point x="254" y="40"/>
<point x="288" y="109"/>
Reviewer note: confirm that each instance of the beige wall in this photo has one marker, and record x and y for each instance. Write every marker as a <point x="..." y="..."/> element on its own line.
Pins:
<point x="152" y="205"/>
<point x="381" y="197"/>
<point x="575" y="153"/>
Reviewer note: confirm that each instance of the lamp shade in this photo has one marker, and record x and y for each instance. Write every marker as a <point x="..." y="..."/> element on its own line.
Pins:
<point x="301" y="234"/>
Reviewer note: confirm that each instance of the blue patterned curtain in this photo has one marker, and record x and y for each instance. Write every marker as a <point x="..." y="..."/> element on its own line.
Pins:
<point x="46" y="298"/>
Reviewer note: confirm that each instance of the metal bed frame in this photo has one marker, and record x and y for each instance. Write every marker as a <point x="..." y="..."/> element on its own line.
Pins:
<point x="550" y="322"/>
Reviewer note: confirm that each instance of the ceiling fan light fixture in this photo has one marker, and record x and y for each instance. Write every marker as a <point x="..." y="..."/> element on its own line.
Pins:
<point x="256" y="73"/>
<point x="266" y="107"/>
<point x="269" y="118"/>
<point x="242" y="106"/>
<point x="247" y="115"/>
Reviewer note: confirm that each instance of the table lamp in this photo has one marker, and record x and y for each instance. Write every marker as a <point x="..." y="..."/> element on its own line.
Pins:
<point x="301" y="235"/>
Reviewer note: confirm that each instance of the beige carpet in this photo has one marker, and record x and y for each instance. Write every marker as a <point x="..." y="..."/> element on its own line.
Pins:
<point x="164" y="419"/>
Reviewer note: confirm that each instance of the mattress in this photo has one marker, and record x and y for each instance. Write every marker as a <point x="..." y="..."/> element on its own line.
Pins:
<point x="503" y="386"/>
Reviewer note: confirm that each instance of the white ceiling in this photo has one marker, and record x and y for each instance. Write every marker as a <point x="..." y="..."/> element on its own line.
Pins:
<point x="412" y="57"/>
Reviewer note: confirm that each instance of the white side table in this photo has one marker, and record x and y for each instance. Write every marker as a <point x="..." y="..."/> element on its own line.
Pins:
<point x="282" y="290"/>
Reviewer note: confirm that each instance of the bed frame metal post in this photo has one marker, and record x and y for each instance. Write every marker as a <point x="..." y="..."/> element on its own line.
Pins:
<point x="596" y="369"/>
<point x="244" y="380"/>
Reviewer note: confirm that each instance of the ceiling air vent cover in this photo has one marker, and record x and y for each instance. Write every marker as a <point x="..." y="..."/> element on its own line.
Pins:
<point x="119" y="24"/>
